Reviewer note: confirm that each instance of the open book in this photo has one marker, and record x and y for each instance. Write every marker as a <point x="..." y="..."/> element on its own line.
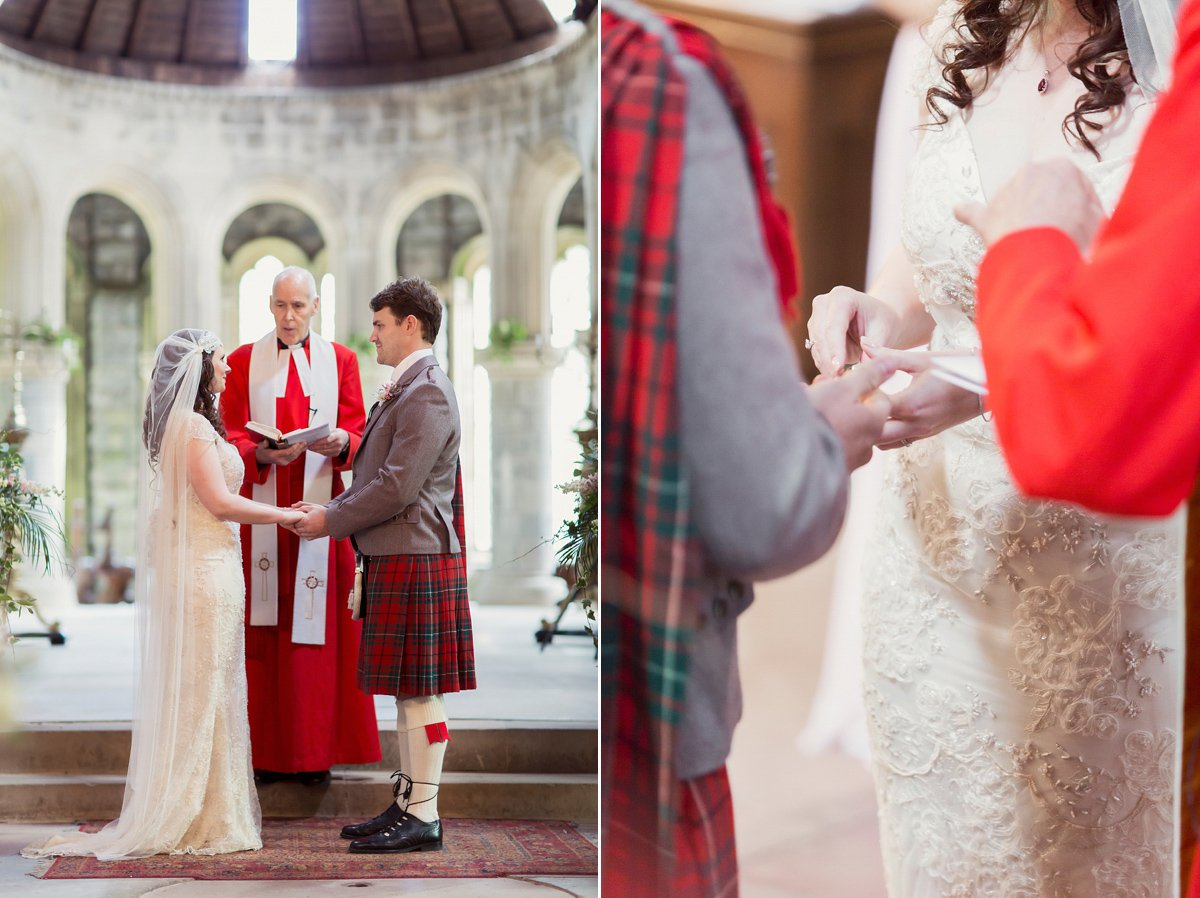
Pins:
<point x="276" y="439"/>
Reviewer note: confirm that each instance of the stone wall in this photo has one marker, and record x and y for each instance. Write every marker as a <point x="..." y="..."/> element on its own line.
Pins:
<point x="188" y="160"/>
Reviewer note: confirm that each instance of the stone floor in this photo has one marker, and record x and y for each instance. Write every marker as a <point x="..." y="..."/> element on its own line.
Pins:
<point x="91" y="677"/>
<point x="806" y="824"/>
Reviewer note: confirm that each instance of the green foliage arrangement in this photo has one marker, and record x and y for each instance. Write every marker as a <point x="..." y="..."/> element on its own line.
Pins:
<point x="580" y="534"/>
<point x="28" y="526"/>
<point x="504" y="334"/>
<point x="359" y="344"/>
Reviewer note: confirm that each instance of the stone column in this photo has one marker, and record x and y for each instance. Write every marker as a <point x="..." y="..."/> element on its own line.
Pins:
<point x="43" y="376"/>
<point x="523" y="561"/>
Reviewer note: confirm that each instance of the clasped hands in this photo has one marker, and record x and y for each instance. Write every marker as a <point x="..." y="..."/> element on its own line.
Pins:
<point x="311" y="524"/>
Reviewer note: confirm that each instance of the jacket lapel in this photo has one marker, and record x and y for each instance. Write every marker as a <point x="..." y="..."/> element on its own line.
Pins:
<point x="406" y="380"/>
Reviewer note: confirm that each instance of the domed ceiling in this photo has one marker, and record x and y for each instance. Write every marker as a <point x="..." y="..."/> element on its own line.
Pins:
<point x="339" y="42"/>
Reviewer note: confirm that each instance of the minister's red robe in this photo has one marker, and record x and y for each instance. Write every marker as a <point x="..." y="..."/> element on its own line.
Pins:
<point x="1093" y="365"/>
<point x="306" y="710"/>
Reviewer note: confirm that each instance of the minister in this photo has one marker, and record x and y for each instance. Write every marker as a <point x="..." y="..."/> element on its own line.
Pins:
<point x="306" y="711"/>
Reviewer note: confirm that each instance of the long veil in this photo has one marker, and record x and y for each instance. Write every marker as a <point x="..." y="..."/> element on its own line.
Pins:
<point x="161" y="796"/>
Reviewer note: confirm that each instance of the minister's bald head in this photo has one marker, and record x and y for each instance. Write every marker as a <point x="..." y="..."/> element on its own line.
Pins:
<point x="294" y="303"/>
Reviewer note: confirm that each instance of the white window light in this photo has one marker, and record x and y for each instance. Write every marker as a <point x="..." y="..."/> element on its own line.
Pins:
<point x="560" y="9"/>
<point x="272" y="30"/>
<point x="328" y="306"/>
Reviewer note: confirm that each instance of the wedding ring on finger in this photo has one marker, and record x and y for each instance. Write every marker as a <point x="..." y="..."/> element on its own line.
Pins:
<point x="906" y="443"/>
<point x="809" y="343"/>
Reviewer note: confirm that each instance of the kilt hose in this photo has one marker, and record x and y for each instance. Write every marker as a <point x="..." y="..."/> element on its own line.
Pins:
<point x="416" y="635"/>
<point x="705" y="861"/>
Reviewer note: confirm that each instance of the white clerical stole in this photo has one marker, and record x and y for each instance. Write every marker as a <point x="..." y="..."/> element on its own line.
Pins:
<point x="269" y="368"/>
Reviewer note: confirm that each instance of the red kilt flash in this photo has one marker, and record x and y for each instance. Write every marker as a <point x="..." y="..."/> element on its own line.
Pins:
<point x="416" y="636"/>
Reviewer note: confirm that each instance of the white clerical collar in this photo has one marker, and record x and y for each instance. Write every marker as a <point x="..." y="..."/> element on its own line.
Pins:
<point x="409" y="360"/>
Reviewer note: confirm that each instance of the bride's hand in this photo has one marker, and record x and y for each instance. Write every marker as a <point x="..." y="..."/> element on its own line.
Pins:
<point x="841" y="319"/>
<point x="291" y="519"/>
<point x="925" y="407"/>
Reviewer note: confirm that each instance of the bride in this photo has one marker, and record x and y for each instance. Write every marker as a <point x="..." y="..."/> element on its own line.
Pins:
<point x="1023" y="658"/>
<point x="190" y="787"/>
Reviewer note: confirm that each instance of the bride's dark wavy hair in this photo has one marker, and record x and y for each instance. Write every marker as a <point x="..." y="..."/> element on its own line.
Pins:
<point x="206" y="399"/>
<point x="985" y="29"/>
<point x="205" y="404"/>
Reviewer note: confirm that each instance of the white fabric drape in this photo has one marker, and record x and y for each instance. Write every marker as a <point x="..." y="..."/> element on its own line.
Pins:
<point x="269" y="369"/>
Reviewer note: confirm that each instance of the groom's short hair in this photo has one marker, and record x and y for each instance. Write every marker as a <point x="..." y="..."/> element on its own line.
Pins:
<point x="412" y="296"/>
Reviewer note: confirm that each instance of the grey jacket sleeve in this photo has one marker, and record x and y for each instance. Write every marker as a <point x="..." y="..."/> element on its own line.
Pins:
<point x="414" y="450"/>
<point x="767" y="474"/>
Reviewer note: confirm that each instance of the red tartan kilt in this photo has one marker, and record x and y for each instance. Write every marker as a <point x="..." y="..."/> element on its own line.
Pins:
<point x="704" y="863"/>
<point x="416" y="636"/>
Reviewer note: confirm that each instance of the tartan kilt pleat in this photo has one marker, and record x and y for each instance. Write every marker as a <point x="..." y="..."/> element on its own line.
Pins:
<point x="416" y="636"/>
<point x="703" y="863"/>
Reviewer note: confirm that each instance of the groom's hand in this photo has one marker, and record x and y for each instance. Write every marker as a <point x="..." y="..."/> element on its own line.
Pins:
<point x="855" y="408"/>
<point x="312" y="525"/>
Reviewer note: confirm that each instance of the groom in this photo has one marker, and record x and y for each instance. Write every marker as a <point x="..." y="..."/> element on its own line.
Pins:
<point x="404" y="515"/>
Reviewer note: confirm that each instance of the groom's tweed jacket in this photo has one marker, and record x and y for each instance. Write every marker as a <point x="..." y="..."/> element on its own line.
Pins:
<point x="716" y="470"/>
<point x="401" y="500"/>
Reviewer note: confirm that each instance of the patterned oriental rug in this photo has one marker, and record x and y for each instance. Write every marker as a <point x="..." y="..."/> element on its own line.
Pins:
<point x="311" y="848"/>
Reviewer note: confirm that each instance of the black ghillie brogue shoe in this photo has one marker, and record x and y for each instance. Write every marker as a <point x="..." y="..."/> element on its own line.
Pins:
<point x="401" y="791"/>
<point x="376" y="825"/>
<point x="407" y="834"/>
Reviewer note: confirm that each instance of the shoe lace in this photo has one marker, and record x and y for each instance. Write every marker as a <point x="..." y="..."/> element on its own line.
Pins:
<point x="404" y="786"/>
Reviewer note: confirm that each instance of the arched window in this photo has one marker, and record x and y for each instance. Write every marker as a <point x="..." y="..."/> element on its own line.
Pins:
<point x="107" y="291"/>
<point x="442" y="241"/>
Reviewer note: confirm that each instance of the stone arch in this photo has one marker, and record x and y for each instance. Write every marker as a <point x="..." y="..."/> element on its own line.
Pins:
<point x="311" y="195"/>
<point x="109" y="275"/>
<point x="408" y="193"/>
<point x="20" y="244"/>
<point x="156" y="206"/>
<point x="279" y="230"/>
<point x="545" y="179"/>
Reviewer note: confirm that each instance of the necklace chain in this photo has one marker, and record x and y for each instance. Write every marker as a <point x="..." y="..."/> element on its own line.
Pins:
<point x="1044" y="83"/>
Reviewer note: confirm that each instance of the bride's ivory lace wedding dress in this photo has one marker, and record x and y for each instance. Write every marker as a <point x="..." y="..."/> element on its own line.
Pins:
<point x="191" y="786"/>
<point x="1023" y="658"/>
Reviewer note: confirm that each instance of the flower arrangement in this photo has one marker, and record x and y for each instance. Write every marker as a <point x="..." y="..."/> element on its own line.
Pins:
<point x="579" y="534"/>
<point x="28" y="525"/>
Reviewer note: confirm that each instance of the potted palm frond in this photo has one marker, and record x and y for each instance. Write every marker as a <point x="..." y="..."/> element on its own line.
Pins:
<point x="30" y="527"/>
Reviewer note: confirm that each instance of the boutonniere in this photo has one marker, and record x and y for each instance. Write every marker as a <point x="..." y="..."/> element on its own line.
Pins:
<point x="389" y="390"/>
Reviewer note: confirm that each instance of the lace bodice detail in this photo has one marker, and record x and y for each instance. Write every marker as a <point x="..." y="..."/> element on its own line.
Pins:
<point x="201" y="523"/>
<point x="945" y="172"/>
<point x="200" y="428"/>
<point x="1022" y="657"/>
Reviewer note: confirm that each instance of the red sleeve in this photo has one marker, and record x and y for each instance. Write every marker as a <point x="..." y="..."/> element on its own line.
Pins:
<point x="235" y="412"/>
<point x="352" y="417"/>
<point x="1092" y="366"/>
